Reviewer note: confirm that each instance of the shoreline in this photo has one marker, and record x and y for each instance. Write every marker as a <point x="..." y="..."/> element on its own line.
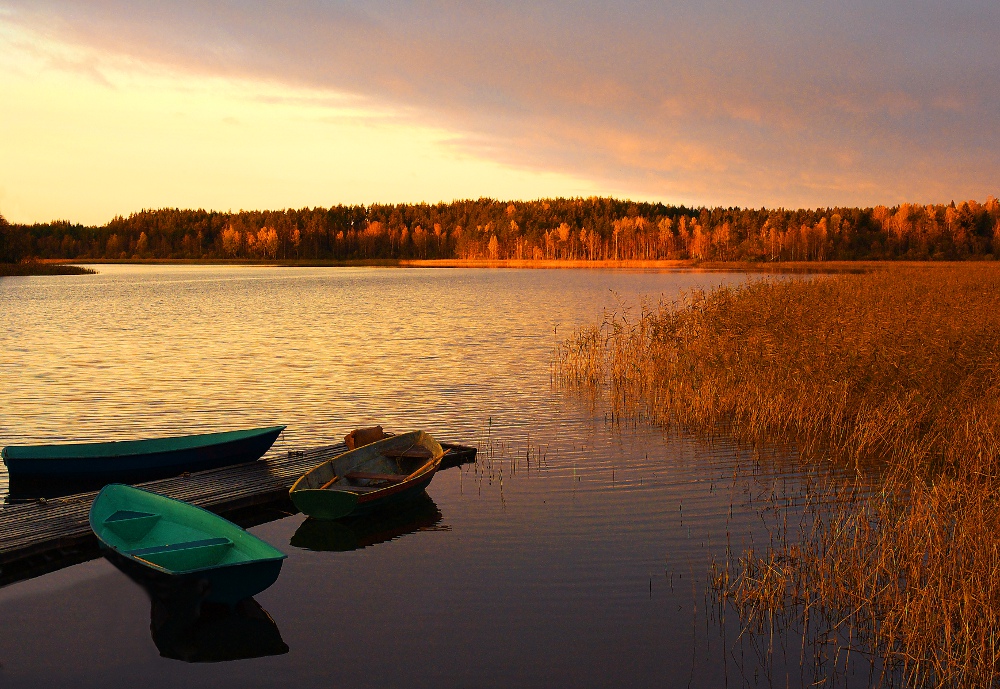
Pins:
<point x="685" y="265"/>
<point x="42" y="268"/>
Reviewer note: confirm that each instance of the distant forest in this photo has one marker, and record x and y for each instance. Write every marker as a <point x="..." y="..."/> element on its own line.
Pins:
<point x="582" y="229"/>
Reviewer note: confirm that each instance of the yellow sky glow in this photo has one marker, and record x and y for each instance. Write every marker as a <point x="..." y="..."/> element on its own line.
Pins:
<point x="86" y="137"/>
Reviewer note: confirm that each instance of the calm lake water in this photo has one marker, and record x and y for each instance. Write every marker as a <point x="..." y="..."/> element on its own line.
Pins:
<point x="572" y="553"/>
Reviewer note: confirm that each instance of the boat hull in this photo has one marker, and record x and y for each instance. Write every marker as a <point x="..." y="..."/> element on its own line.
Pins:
<point x="321" y="504"/>
<point x="93" y="464"/>
<point x="228" y="585"/>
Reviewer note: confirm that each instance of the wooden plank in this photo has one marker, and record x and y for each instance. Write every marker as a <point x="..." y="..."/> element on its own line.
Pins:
<point x="44" y="535"/>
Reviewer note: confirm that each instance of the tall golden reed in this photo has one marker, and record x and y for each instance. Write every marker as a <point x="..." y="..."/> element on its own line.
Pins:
<point x="897" y="370"/>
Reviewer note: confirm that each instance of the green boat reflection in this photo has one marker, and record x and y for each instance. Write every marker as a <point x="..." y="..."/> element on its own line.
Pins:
<point x="213" y="632"/>
<point x="354" y="533"/>
<point x="186" y="626"/>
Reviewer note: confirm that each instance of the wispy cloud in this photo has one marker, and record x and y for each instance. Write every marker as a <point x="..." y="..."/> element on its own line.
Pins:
<point x="780" y="102"/>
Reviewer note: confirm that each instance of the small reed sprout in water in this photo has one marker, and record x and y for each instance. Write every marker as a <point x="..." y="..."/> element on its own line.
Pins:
<point x="895" y="373"/>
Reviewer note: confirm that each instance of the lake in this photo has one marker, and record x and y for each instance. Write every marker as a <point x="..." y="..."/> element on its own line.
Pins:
<point x="574" y="552"/>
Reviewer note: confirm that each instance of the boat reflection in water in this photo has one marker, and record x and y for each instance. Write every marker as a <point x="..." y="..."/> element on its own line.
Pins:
<point x="354" y="533"/>
<point x="185" y="626"/>
<point x="214" y="632"/>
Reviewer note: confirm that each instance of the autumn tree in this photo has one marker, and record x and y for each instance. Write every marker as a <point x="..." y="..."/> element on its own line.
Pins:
<point x="11" y="243"/>
<point x="141" y="245"/>
<point x="590" y="229"/>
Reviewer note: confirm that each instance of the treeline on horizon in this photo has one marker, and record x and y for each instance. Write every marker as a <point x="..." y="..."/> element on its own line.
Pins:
<point x="593" y="229"/>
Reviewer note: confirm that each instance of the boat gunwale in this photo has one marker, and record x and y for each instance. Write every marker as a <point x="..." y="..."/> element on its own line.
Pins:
<point x="131" y="448"/>
<point x="181" y="572"/>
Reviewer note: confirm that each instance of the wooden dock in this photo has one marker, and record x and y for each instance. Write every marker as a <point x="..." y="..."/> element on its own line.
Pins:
<point x="46" y="535"/>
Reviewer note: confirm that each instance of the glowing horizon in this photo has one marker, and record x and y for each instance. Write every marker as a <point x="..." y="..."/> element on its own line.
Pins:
<point x="112" y="107"/>
<point x="74" y="130"/>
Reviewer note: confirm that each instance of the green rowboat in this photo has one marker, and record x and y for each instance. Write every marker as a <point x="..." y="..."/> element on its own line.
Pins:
<point x="173" y="539"/>
<point x="369" y="478"/>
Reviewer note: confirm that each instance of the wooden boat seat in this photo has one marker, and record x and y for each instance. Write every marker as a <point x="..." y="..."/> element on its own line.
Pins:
<point x="127" y="515"/>
<point x="131" y="525"/>
<point x="187" y="545"/>
<point x="353" y="489"/>
<point x="412" y="453"/>
<point x="395" y="478"/>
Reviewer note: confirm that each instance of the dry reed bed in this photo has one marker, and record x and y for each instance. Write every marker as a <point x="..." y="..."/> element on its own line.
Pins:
<point x="897" y="370"/>
<point x="36" y="268"/>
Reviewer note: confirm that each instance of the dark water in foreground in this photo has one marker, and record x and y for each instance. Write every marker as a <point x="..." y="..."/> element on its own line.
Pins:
<point x="573" y="553"/>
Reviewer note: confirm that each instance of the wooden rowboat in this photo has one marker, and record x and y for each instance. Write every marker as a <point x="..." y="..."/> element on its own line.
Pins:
<point x="369" y="478"/>
<point x="135" y="460"/>
<point x="172" y="539"/>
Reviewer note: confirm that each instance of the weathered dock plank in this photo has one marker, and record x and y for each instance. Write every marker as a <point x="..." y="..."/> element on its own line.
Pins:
<point x="45" y="535"/>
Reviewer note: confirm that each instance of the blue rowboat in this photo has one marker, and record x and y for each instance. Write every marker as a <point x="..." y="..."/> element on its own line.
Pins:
<point x="131" y="461"/>
<point x="183" y="544"/>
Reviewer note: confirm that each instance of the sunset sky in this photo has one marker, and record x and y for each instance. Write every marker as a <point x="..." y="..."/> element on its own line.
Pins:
<point x="108" y="107"/>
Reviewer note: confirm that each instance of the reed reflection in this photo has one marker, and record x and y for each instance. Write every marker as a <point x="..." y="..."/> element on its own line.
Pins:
<point x="354" y="533"/>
